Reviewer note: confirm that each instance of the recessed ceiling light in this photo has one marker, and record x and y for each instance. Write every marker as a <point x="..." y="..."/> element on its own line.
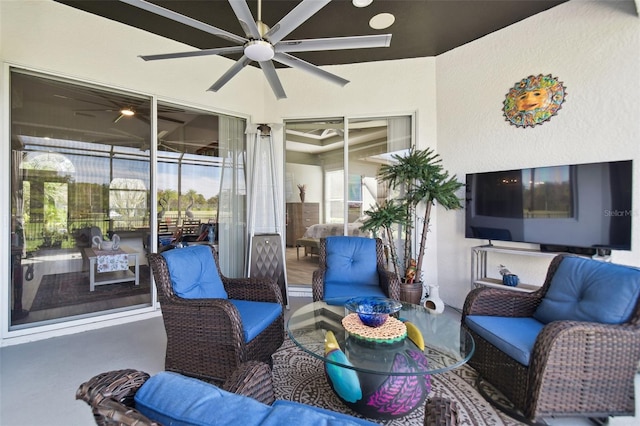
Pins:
<point x="382" y="21"/>
<point x="361" y="3"/>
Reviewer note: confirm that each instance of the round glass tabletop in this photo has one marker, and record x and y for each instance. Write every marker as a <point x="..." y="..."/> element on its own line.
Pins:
<point x="446" y="344"/>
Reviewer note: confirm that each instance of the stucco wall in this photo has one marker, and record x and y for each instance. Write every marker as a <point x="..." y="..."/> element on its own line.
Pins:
<point x="594" y="49"/>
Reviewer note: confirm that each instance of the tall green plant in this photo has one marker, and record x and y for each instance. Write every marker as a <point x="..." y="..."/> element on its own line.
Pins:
<point x="382" y="217"/>
<point x="421" y="178"/>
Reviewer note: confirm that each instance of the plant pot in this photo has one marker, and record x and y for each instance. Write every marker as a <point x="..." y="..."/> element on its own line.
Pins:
<point x="411" y="293"/>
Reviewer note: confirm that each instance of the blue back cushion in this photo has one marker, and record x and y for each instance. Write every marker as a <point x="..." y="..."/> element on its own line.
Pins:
<point x="194" y="274"/>
<point x="176" y="400"/>
<point x="588" y="290"/>
<point x="351" y="260"/>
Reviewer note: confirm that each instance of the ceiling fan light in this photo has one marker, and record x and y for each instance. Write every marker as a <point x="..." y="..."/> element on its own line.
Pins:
<point x="127" y="112"/>
<point x="259" y="50"/>
<point x="361" y="3"/>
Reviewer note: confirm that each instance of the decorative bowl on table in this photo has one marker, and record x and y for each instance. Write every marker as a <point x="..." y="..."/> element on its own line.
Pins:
<point x="373" y="311"/>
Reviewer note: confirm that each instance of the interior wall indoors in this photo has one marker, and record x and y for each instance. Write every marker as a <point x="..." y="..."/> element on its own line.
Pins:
<point x="303" y="174"/>
<point x="592" y="47"/>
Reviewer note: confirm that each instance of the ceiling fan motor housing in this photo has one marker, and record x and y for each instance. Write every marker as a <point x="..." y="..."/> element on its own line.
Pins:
<point x="259" y="50"/>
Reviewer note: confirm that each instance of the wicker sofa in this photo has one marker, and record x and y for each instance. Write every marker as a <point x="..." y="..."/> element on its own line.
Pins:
<point x="570" y="348"/>
<point x="132" y="398"/>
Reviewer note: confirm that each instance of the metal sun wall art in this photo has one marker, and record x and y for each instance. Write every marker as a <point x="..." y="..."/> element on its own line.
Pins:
<point x="534" y="100"/>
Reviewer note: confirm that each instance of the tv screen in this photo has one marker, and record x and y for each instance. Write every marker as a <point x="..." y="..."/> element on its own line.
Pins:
<point x="579" y="205"/>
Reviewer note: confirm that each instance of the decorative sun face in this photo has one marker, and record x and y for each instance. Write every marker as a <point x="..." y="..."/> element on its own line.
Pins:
<point x="533" y="100"/>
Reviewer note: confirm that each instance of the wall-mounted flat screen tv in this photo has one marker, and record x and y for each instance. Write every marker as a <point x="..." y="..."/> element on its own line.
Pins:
<point x="579" y="205"/>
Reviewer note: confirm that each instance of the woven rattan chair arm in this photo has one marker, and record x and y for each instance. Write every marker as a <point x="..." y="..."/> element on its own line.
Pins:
<point x="110" y="396"/>
<point x="252" y="379"/>
<point x="205" y="314"/>
<point x="256" y="289"/>
<point x="601" y="359"/>
<point x="317" y="284"/>
<point x="113" y="413"/>
<point x="499" y="302"/>
<point x="561" y="343"/>
<point x="389" y="283"/>
<point x="120" y="385"/>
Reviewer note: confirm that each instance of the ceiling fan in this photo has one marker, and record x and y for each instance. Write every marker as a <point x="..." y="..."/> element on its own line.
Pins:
<point x="265" y="45"/>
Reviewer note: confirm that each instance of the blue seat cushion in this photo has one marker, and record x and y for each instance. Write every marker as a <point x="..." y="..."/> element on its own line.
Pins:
<point x="194" y="274"/>
<point x="588" y="290"/>
<point x="256" y="316"/>
<point x="176" y="400"/>
<point x="351" y="261"/>
<point x="338" y="294"/>
<point x="514" y="336"/>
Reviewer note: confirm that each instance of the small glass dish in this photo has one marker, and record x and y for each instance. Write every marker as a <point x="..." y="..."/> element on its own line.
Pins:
<point x="373" y="311"/>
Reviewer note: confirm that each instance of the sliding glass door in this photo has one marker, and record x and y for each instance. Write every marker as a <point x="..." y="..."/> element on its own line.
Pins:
<point x="201" y="188"/>
<point x="84" y="214"/>
<point x="336" y="162"/>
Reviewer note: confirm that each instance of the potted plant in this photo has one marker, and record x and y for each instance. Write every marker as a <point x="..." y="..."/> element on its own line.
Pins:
<point x="422" y="182"/>
<point x="382" y="218"/>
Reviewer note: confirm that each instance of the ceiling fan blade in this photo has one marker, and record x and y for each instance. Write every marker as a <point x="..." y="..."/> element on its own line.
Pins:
<point x="248" y="24"/>
<point x="174" y="16"/>
<point x="335" y="43"/>
<point x="294" y="19"/>
<point x="293" y="62"/>
<point x="231" y="72"/>
<point x="203" y="52"/>
<point x="270" y="73"/>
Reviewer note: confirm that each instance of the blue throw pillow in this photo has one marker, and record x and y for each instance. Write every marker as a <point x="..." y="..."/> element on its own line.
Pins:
<point x="194" y="274"/>
<point x="588" y="290"/>
<point x="351" y="260"/>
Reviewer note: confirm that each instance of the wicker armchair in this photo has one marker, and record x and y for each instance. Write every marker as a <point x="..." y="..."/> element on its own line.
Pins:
<point x="205" y="336"/>
<point x="576" y="367"/>
<point x="111" y="394"/>
<point x="387" y="283"/>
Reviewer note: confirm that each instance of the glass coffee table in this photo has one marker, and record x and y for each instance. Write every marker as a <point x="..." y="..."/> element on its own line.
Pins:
<point x="384" y="380"/>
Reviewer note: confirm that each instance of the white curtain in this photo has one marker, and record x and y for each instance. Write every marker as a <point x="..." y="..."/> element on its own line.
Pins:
<point x="17" y="198"/>
<point x="398" y="133"/>
<point x="232" y="204"/>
